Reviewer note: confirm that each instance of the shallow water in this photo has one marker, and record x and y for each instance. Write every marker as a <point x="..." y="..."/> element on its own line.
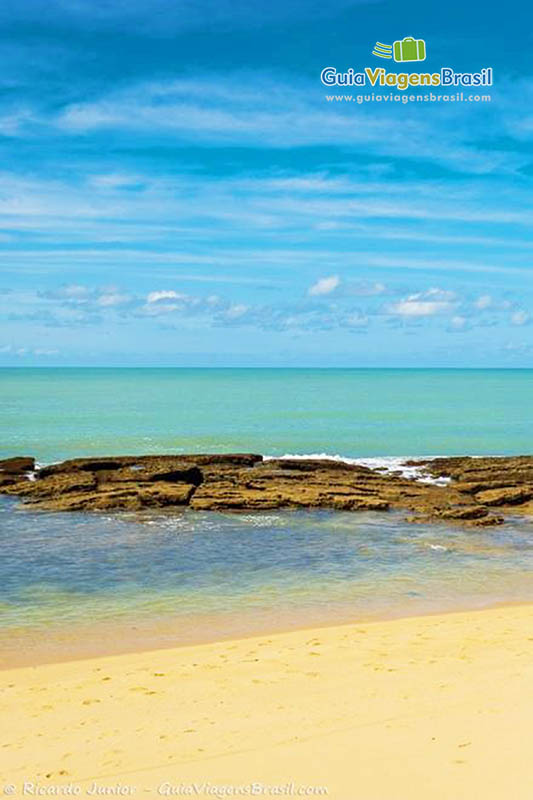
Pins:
<point x="266" y="570"/>
<point x="128" y="581"/>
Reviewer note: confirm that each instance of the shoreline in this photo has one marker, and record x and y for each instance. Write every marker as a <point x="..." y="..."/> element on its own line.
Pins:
<point x="160" y="634"/>
<point x="433" y="706"/>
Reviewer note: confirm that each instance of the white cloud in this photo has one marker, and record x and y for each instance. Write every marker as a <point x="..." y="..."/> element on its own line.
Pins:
<point x="324" y="286"/>
<point x="356" y="320"/>
<point x="53" y="210"/>
<point x="157" y="309"/>
<point x="236" y="311"/>
<point x="365" y="289"/>
<point x="520" y="317"/>
<point x="8" y="349"/>
<point x="75" y="293"/>
<point x="113" y="181"/>
<point x="232" y="109"/>
<point x="113" y="299"/>
<point x="424" y="304"/>
<point x="518" y="348"/>
<point x="458" y="323"/>
<point x="156" y="297"/>
<point x="483" y="302"/>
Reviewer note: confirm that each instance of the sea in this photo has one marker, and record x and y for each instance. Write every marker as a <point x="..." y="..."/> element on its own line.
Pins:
<point x="80" y="584"/>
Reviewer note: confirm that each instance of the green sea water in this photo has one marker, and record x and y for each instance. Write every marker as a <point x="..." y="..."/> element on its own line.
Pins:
<point x="81" y="583"/>
<point x="59" y="413"/>
<point x="123" y="580"/>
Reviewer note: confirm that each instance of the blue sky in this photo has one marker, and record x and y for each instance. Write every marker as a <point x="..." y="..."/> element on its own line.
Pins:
<point x="175" y="189"/>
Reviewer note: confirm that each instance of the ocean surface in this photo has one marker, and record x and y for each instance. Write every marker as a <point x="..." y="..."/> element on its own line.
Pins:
<point x="77" y="584"/>
<point x="60" y="413"/>
<point x="150" y="579"/>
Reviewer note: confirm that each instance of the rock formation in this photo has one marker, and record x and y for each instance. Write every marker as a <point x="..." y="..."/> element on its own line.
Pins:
<point x="476" y="486"/>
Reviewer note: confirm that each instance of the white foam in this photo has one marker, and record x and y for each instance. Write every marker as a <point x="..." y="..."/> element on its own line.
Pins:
<point x="387" y="465"/>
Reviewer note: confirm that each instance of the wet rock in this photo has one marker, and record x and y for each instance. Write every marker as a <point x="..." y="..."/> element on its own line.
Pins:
<point x="133" y="498"/>
<point x="153" y="464"/>
<point x="17" y="466"/>
<point x="464" y="512"/>
<point x="485" y="522"/>
<point x="13" y="470"/>
<point x="509" y="496"/>
<point x="54" y="486"/>
<point x="245" y="481"/>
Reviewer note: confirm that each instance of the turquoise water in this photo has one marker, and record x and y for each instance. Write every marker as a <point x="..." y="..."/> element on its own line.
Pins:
<point x="273" y="569"/>
<point x="60" y="413"/>
<point x="205" y="575"/>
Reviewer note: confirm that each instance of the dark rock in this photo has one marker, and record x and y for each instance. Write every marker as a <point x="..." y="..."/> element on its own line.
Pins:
<point x="245" y="481"/>
<point x="509" y="496"/>
<point x="490" y="520"/>
<point x="464" y="512"/>
<point x="54" y="486"/>
<point x="18" y="465"/>
<point x="192" y="475"/>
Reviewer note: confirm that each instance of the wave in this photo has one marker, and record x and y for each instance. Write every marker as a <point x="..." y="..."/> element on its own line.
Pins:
<point x="386" y="465"/>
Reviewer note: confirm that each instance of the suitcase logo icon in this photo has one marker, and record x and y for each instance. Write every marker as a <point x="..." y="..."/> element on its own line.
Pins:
<point x="409" y="49"/>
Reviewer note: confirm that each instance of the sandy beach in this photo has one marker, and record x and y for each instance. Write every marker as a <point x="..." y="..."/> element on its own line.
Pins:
<point x="434" y="706"/>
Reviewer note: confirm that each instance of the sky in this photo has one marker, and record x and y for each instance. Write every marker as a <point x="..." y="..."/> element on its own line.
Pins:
<point x="175" y="188"/>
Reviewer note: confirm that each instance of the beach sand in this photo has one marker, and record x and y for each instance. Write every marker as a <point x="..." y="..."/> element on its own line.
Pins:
<point x="427" y="707"/>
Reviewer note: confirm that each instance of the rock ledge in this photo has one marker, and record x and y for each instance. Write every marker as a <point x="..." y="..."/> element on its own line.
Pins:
<point x="245" y="481"/>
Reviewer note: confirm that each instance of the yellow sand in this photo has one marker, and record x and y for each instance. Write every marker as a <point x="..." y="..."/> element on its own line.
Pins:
<point x="431" y="707"/>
